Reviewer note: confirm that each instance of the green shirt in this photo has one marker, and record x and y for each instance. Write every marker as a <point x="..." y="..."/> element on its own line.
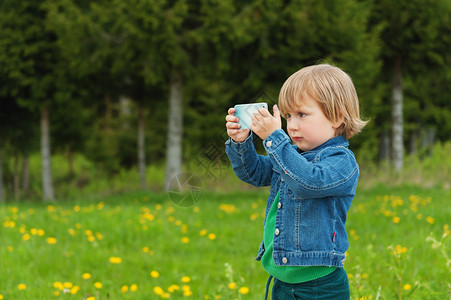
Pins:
<point x="289" y="274"/>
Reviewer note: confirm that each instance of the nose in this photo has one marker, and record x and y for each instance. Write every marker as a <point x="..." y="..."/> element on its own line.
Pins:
<point x="293" y="124"/>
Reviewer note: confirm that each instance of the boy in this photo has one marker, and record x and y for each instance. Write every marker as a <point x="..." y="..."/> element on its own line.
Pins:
<point x="312" y="182"/>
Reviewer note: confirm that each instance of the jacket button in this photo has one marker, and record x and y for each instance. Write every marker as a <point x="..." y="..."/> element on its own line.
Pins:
<point x="284" y="260"/>
<point x="268" y="144"/>
<point x="277" y="231"/>
<point x="279" y="205"/>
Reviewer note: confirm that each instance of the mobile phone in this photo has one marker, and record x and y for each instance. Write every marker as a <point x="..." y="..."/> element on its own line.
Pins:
<point x="244" y="112"/>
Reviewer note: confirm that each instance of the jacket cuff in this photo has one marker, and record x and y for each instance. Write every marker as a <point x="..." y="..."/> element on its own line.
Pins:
<point x="274" y="140"/>
<point x="242" y="147"/>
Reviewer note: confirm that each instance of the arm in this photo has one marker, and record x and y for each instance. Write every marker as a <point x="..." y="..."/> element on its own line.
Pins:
<point x="335" y="173"/>
<point x="248" y="166"/>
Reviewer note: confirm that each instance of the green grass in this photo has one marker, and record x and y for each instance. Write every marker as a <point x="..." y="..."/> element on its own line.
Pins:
<point x="213" y="245"/>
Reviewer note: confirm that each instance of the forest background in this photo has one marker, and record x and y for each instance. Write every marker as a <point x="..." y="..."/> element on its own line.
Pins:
<point x="112" y="96"/>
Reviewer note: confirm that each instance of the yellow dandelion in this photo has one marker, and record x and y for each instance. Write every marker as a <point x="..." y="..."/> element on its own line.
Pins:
<point x="186" y="279"/>
<point x="232" y="285"/>
<point x="115" y="260"/>
<point x="41" y="232"/>
<point x="396" y="220"/>
<point x="165" y="296"/>
<point x="173" y="288"/>
<point x="212" y="236"/>
<point x="185" y="240"/>
<point x="158" y="206"/>
<point x="26" y="237"/>
<point x="86" y="276"/>
<point x="76" y="208"/>
<point x="58" y="285"/>
<point x="74" y="290"/>
<point x="33" y="231"/>
<point x="407" y="287"/>
<point x="187" y="293"/>
<point x="56" y="293"/>
<point x="51" y="240"/>
<point x="133" y="287"/>
<point x="88" y="232"/>
<point x="91" y="298"/>
<point x="10" y="249"/>
<point x="244" y="290"/>
<point x="1" y="297"/>
<point x="146" y="249"/>
<point x="99" y="236"/>
<point x="98" y="285"/>
<point x="203" y="232"/>
<point x="158" y="290"/>
<point x="91" y="238"/>
<point x="196" y="209"/>
<point x="430" y="220"/>
<point x="154" y="274"/>
<point x="124" y="289"/>
<point x="22" y="286"/>
<point x="68" y="285"/>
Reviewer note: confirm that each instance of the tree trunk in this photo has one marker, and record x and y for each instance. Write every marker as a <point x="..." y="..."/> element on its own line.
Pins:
<point x="25" y="174"/>
<point x="2" y="199"/>
<point x="70" y="163"/>
<point x="175" y="129"/>
<point x="141" y="148"/>
<point x="47" y="185"/>
<point x="16" y="177"/>
<point x="397" y="117"/>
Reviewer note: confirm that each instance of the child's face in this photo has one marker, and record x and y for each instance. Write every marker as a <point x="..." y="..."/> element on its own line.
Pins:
<point x="308" y="127"/>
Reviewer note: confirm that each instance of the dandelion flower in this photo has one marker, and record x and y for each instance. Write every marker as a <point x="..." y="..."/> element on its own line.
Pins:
<point x="68" y="285"/>
<point x="244" y="290"/>
<point x="91" y="298"/>
<point x="407" y="287"/>
<point x="22" y="286"/>
<point x="203" y="232"/>
<point x="58" y="285"/>
<point x="1" y="297"/>
<point x="115" y="260"/>
<point x="186" y="279"/>
<point x="51" y="240"/>
<point x="396" y="220"/>
<point x="91" y="238"/>
<point x="165" y="295"/>
<point x="26" y="237"/>
<point x="86" y="276"/>
<point x="430" y="220"/>
<point x="185" y="240"/>
<point x="124" y="289"/>
<point x="154" y="274"/>
<point x="74" y="290"/>
<point x="41" y="232"/>
<point x="158" y="290"/>
<point x="187" y="293"/>
<point x="98" y="285"/>
<point x="212" y="236"/>
<point x="146" y="249"/>
<point x="134" y="287"/>
<point x="173" y="288"/>
<point x="232" y="285"/>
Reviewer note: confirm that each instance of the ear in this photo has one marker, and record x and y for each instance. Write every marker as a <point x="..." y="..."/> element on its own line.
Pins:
<point x="338" y="123"/>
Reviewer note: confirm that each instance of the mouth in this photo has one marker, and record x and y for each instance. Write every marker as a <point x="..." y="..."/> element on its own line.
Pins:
<point x="297" y="139"/>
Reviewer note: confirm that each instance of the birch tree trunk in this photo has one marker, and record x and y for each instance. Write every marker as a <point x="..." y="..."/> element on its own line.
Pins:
<point x="141" y="148"/>
<point x="175" y="129"/>
<point x="47" y="185"/>
<point x="2" y="199"/>
<point x="397" y="117"/>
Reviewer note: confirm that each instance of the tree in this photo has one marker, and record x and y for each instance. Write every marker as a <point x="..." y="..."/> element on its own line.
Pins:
<point x="29" y="59"/>
<point x="411" y="46"/>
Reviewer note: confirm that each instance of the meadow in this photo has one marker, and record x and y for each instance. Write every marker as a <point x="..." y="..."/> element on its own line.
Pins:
<point x="142" y="246"/>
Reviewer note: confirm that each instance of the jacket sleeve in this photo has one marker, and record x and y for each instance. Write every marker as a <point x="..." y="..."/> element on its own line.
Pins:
<point x="247" y="164"/>
<point x="335" y="173"/>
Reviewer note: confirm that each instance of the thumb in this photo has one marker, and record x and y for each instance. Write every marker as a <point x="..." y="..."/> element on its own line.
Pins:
<point x="276" y="111"/>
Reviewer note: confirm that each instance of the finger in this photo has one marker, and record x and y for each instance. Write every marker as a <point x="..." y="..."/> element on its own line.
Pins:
<point x="264" y="112"/>
<point x="231" y="111"/>
<point x="233" y="125"/>
<point x="231" y="118"/>
<point x="276" y="112"/>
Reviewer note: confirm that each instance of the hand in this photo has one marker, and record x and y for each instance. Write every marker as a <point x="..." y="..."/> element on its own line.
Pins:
<point x="263" y="123"/>
<point x="233" y="127"/>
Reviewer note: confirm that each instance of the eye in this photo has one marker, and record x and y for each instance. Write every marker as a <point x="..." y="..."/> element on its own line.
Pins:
<point x="287" y="116"/>
<point x="302" y="115"/>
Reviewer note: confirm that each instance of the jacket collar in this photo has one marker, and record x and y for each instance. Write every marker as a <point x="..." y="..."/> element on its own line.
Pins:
<point x="333" y="142"/>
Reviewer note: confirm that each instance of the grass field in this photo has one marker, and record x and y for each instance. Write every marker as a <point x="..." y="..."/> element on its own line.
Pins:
<point x="141" y="246"/>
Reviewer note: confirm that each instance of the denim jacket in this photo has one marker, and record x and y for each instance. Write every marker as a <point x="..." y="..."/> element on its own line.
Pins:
<point x="316" y="190"/>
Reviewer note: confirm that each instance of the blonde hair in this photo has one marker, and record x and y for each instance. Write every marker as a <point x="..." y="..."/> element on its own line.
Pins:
<point x="334" y="91"/>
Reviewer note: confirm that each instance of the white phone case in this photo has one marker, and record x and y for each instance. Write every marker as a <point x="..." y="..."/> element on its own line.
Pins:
<point x="244" y="113"/>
